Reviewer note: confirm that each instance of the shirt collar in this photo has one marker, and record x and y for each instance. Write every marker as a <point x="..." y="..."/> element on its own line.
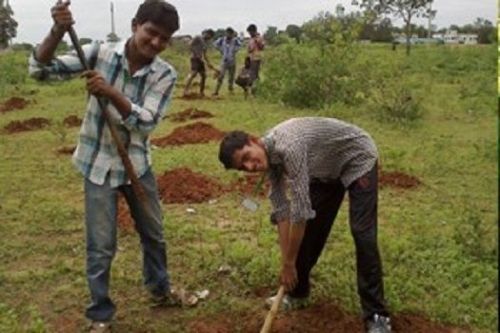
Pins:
<point x="119" y="50"/>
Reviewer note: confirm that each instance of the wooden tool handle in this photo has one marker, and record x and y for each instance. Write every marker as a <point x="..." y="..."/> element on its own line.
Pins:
<point x="266" y="328"/>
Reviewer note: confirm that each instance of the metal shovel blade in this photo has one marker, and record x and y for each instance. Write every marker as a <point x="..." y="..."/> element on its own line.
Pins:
<point x="250" y="204"/>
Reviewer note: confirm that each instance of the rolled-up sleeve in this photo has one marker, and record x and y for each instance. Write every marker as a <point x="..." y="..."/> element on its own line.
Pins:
<point x="145" y="118"/>
<point x="62" y="67"/>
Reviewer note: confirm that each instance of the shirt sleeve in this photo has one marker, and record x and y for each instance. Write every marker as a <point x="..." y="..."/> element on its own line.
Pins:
<point x="237" y="44"/>
<point x="279" y="201"/>
<point x="64" y="66"/>
<point x="145" y="118"/>
<point x="295" y="160"/>
<point x="218" y="44"/>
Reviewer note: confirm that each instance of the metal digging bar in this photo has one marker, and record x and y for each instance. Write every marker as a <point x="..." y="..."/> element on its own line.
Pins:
<point x="129" y="168"/>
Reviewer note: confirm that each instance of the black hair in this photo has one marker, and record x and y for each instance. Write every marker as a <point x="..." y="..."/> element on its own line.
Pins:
<point x="252" y="28"/>
<point x="229" y="30"/>
<point x="160" y="13"/>
<point x="232" y="142"/>
<point x="209" y="32"/>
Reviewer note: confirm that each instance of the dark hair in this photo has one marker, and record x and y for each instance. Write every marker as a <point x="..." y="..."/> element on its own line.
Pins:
<point x="160" y="13"/>
<point x="229" y="30"/>
<point x="209" y="32"/>
<point x="232" y="142"/>
<point x="252" y="28"/>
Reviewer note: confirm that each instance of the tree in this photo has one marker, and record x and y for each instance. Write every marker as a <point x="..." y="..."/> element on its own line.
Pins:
<point x="84" y="40"/>
<point x="8" y="26"/>
<point x="382" y="31"/>
<point x="294" y="31"/>
<point x="271" y="35"/>
<point x="405" y="9"/>
<point x="485" y="30"/>
<point x="112" y="38"/>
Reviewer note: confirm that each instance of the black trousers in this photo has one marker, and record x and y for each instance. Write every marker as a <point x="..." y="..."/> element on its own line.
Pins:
<point x="326" y="199"/>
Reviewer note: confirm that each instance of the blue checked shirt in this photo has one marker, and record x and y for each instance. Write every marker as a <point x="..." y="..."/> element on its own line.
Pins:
<point x="228" y="49"/>
<point x="149" y="91"/>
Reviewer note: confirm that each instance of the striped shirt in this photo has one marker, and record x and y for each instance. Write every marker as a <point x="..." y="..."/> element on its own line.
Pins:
<point x="304" y="149"/>
<point x="149" y="91"/>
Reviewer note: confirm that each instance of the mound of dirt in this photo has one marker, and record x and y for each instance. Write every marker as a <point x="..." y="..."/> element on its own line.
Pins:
<point x="13" y="103"/>
<point x="26" y="125"/>
<point x="198" y="132"/>
<point x="319" y="318"/>
<point x="185" y="186"/>
<point x="72" y="121"/>
<point x="398" y="180"/>
<point x="190" y="113"/>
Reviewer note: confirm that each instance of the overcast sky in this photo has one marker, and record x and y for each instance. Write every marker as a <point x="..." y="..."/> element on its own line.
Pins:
<point x="93" y="16"/>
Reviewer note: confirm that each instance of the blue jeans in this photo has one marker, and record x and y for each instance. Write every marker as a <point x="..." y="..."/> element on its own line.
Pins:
<point x="100" y="222"/>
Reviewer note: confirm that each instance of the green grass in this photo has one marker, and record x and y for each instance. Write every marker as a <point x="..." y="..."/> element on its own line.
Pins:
<point x="438" y="242"/>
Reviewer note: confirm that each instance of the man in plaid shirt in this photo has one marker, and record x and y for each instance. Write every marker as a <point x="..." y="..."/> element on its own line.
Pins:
<point x="138" y="86"/>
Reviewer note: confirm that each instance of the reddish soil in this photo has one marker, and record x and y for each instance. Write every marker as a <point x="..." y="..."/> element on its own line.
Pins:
<point x="192" y="96"/>
<point x="198" y="132"/>
<point x="26" y="125"/>
<point x="247" y="184"/>
<point x="72" y="121"/>
<point x="190" y="113"/>
<point x="319" y="318"/>
<point x="124" y="219"/>
<point x="398" y="180"/>
<point x="66" y="150"/>
<point x="14" y="103"/>
<point x="185" y="186"/>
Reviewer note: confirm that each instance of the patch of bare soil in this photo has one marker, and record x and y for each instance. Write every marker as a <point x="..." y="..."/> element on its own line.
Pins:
<point x="185" y="186"/>
<point x="190" y="113"/>
<point x="66" y="150"/>
<point x="72" y="121"/>
<point x="319" y="318"/>
<point x="27" y="125"/>
<point x="192" y="96"/>
<point x="398" y="180"/>
<point x="13" y="103"/>
<point x="198" y="132"/>
<point x="248" y="184"/>
<point x="124" y="219"/>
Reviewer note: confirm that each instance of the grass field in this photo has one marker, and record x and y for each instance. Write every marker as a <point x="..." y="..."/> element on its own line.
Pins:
<point x="438" y="241"/>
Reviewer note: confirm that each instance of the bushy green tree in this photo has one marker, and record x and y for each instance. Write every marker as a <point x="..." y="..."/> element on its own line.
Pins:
<point x="294" y="31"/>
<point x="486" y="32"/>
<point x="271" y="35"/>
<point x="8" y="26"/>
<point x="328" y="28"/>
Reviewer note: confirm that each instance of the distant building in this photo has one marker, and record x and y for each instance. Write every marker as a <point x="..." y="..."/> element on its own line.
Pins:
<point x="453" y="37"/>
<point x="449" y="37"/>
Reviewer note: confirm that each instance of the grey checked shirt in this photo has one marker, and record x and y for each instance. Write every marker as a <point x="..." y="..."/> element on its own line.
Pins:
<point x="303" y="149"/>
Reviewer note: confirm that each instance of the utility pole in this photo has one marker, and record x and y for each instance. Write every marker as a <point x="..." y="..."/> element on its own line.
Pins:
<point x="112" y="19"/>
